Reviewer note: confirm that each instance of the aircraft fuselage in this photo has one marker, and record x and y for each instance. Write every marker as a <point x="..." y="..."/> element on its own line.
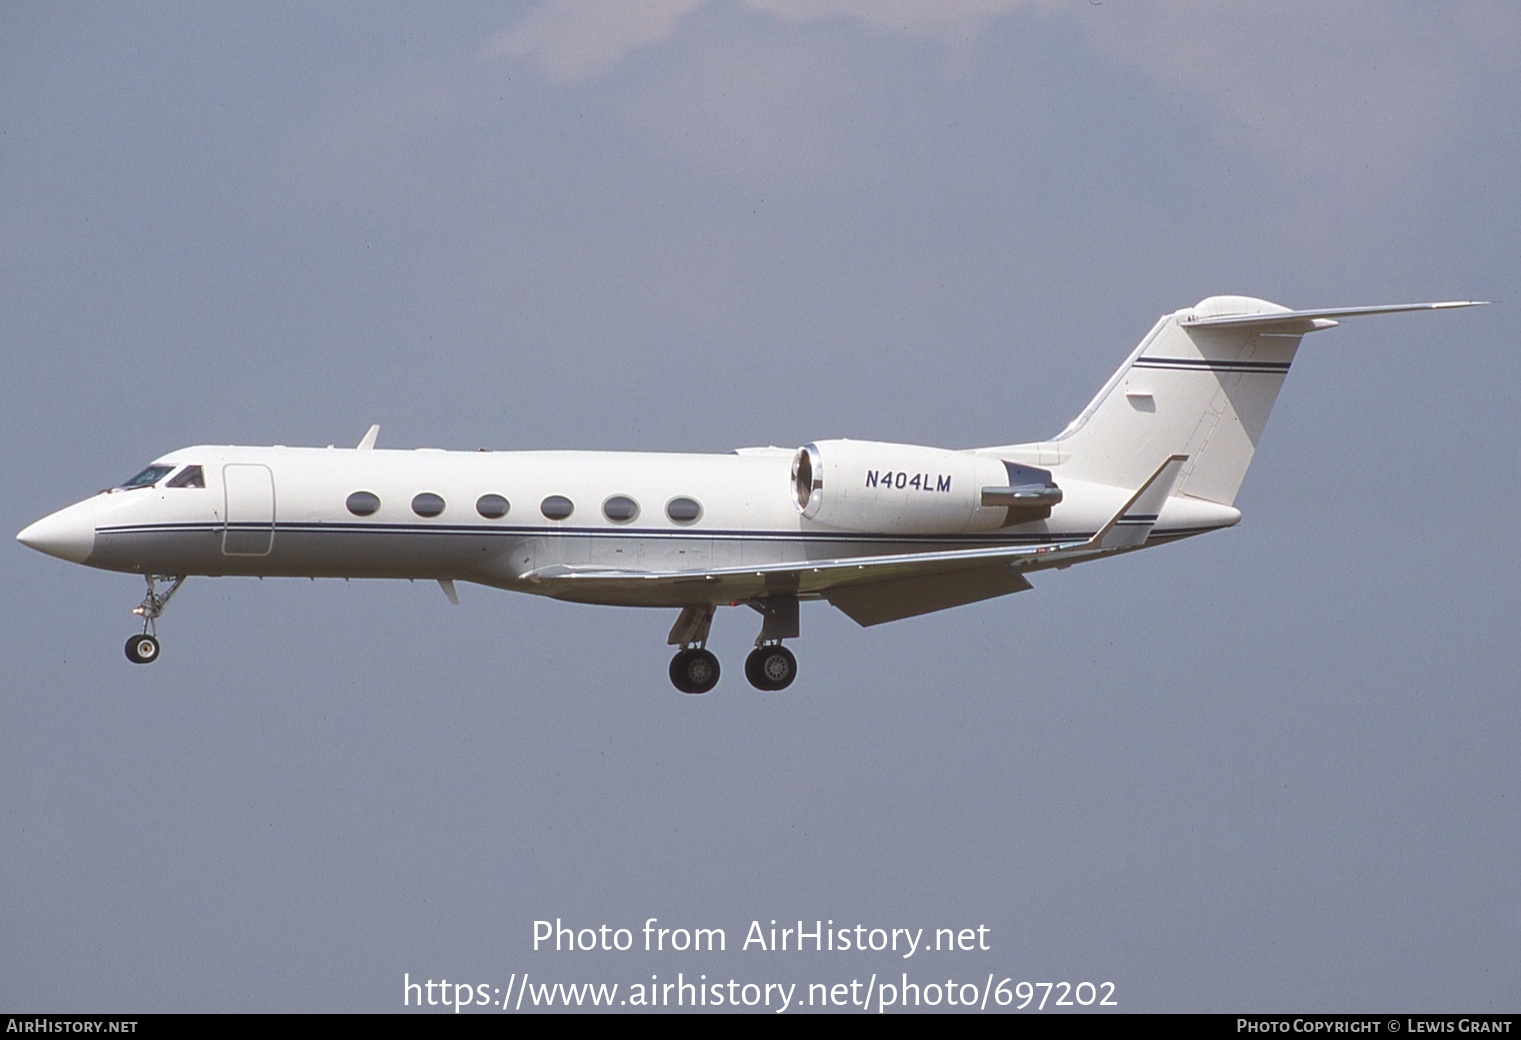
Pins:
<point x="286" y="512"/>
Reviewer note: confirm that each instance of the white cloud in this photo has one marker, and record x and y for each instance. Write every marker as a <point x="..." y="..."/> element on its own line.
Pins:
<point x="572" y="40"/>
<point x="1346" y="90"/>
<point x="953" y="19"/>
<point x="1348" y="93"/>
<point x="761" y="110"/>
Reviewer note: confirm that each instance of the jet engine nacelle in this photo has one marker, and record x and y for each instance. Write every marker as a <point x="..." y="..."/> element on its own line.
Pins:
<point x="879" y="488"/>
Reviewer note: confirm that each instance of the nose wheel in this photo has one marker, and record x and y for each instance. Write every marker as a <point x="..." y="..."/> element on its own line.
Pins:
<point x="142" y="649"/>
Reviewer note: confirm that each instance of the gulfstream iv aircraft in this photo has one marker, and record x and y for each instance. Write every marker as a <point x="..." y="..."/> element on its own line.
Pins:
<point x="881" y="531"/>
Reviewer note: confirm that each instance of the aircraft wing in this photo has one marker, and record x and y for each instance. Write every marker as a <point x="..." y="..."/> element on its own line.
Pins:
<point x="873" y="589"/>
<point x="811" y="577"/>
<point x="870" y="589"/>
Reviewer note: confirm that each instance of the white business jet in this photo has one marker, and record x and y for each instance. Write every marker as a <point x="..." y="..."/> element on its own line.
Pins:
<point x="881" y="531"/>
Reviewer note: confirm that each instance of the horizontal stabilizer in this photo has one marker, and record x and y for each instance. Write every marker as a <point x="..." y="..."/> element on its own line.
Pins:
<point x="1309" y="321"/>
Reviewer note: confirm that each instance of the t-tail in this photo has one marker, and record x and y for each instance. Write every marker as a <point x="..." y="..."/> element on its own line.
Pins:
<point x="1200" y="385"/>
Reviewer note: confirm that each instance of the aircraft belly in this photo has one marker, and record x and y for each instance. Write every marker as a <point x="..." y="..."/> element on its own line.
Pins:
<point x="758" y="552"/>
<point x="385" y="554"/>
<point x="311" y="551"/>
<point x="627" y="553"/>
<point x="187" y="549"/>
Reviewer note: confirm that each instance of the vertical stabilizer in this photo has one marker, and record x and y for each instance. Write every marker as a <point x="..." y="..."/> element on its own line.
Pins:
<point x="1200" y="385"/>
<point x="1197" y="390"/>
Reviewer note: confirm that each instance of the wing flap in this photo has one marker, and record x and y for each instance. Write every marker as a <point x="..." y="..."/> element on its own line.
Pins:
<point x="876" y="602"/>
<point x="815" y="577"/>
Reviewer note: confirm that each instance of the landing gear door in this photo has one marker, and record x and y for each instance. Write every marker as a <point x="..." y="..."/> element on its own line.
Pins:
<point x="249" y="526"/>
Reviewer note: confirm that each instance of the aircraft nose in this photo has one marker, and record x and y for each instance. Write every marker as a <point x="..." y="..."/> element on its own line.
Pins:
<point x="67" y="534"/>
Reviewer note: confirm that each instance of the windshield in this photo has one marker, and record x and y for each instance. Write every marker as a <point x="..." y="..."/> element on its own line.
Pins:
<point x="190" y="476"/>
<point x="148" y="477"/>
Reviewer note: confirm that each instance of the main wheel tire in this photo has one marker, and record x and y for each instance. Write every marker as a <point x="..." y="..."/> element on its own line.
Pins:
<point x="694" y="671"/>
<point x="142" y="649"/>
<point x="752" y="669"/>
<point x="771" y="667"/>
<point x="679" y="671"/>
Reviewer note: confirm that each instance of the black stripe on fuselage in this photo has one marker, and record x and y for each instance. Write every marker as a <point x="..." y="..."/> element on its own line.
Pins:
<point x="621" y="533"/>
<point x="687" y="534"/>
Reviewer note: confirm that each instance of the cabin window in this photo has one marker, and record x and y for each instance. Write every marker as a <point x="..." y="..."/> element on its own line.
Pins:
<point x="557" y="507"/>
<point x="363" y="503"/>
<point x="148" y="477"/>
<point x="190" y="476"/>
<point x="427" y="504"/>
<point x="683" y="510"/>
<point x="492" y="507"/>
<point x="620" y="509"/>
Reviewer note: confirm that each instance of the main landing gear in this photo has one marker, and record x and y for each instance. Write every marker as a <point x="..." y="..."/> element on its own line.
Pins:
<point x="770" y="666"/>
<point x="694" y="670"/>
<point x="143" y="649"/>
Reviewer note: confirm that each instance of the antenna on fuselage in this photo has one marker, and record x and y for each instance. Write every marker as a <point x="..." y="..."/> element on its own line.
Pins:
<point x="367" y="442"/>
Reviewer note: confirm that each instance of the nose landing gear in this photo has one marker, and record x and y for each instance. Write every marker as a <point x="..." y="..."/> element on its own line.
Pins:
<point x="143" y="649"/>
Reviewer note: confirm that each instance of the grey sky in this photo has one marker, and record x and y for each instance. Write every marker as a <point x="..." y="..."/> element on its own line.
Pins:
<point x="1272" y="768"/>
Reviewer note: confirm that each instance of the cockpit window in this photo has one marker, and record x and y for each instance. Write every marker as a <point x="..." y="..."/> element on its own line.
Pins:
<point x="190" y="476"/>
<point x="148" y="477"/>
